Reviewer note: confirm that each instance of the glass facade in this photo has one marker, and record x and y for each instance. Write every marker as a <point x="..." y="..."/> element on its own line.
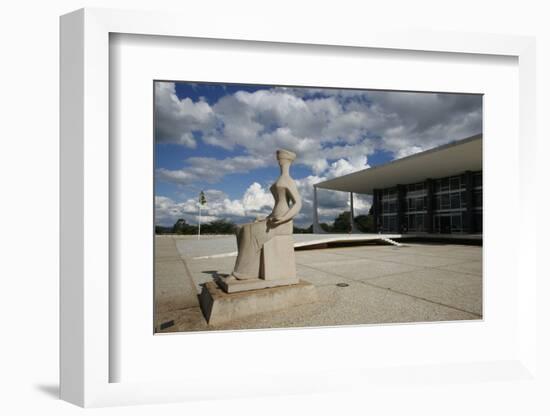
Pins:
<point x="389" y="209"/>
<point x="416" y="208"/>
<point x="478" y="202"/>
<point x="452" y="204"/>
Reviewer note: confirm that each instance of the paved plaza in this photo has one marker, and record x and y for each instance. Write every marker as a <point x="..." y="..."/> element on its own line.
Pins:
<point x="361" y="284"/>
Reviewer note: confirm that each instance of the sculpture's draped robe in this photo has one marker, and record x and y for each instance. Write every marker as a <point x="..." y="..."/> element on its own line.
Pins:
<point x="252" y="236"/>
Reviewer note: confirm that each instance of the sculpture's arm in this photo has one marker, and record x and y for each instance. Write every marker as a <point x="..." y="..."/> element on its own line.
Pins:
<point x="294" y="196"/>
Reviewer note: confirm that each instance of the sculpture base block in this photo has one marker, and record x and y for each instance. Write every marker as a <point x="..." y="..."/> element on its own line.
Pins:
<point x="220" y="307"/>
<point x="232" y="285"/>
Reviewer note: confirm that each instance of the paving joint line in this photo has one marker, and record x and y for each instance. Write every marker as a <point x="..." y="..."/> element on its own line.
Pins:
<point x="426" y="255"/>
<point x="410" y="254"/>
<point x="404" y="293"/>
<point x="408" y="264"/>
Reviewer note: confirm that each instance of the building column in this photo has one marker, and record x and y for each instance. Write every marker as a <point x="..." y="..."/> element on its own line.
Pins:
<point x="316" y="226"/>
<point x="468" y="223"/>
<point x="430" y="205"/>
<point x="354" y="228"/>
<point x="401" y="208"/>
<point x="375" y="210"/>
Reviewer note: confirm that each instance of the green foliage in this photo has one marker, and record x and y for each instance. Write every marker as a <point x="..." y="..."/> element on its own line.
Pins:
<point x="298" y="230"/>
<point x="218" y="227"/>
<point x="181" y="227"/>
<point x="214" y="227"/>
<point x="202" y="198"/>
<point x="159" y="229"/>
<point x="341" y="223"/>
<point x="365" y="223"/>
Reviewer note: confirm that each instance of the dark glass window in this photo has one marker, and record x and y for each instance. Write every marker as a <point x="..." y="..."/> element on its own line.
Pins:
<point x="389" y="223"/>
<point x="444" y="184"/>
<point x="478" y="179"/>
<point x="455" y="200"/>
<point x="456" y="223"/>
<point x="463" y="199"/>
<point x="445" y="203"/>
<point x="455" y="183"/>
<point x="478" y="199"/>
<point x="420" y="221"/>
<point x="421" y="203"/>
<point x="478" y="222"/>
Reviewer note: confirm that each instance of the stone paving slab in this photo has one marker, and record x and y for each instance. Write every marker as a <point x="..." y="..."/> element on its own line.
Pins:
<point x="358" y="268"/>
<point x="458" y="290"/>
<point x="312" y="256"/>
<point x="206" y="270"/>
<point x="369" y="252"/>
<point x="474" y="267"/>
<point x="174" y="288"/>
<point x="420" y="260"/>
<point x="320" y="278"/>
<point x="448" y="250"/>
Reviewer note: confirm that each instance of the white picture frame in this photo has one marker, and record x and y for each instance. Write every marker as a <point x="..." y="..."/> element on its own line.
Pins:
<point x="85" y="211"/>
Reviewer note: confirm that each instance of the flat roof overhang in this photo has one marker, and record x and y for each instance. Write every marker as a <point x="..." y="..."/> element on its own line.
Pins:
<point x="447" y="160"/>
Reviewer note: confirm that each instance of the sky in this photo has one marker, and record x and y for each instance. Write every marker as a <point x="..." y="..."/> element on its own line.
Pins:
<point x="222" y="139"/>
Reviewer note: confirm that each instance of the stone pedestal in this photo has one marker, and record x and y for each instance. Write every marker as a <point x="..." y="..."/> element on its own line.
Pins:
<point x="232" y="285"/>
<point x="220" y="307"/>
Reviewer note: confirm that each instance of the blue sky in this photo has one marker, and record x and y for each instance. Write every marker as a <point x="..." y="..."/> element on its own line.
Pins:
<point x="222" y="138"/>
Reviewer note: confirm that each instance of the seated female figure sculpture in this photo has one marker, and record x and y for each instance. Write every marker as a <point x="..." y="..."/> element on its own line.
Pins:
<point x="253" y="261"/>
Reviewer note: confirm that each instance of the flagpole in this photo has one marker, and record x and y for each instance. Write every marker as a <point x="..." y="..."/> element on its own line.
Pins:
<point x="202" y="201"/>
<point x="199" y="236"/>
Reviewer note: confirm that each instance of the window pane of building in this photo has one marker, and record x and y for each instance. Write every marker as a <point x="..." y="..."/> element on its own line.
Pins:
<point x="478" y="222"/>
<point x="478" y="179"/>
<point x="455" y="200"/>
<point x="420" y="220"/>
<point x="445" y="203"/>
<point x="456" y="223"/>
<point x="455" y="183"/>
<point x="444" y="184"/>
<point x="478" y="199"/>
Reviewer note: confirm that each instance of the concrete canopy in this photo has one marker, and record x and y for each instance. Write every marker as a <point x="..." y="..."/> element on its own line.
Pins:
<point x="447" y="160"/>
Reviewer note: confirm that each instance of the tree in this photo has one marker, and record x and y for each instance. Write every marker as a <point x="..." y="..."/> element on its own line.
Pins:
<point x="222" y="226"/>
<point x="342" y="223"/>
<point x="160" y="229"/>
<point x="298" y="230"/>
<point x="365" y="223"/>
<point x="181" y="227"/>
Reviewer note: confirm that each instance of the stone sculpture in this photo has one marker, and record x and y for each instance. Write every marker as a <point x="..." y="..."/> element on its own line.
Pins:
<point x="266" y="247"/>
<point x="264" y="277"/>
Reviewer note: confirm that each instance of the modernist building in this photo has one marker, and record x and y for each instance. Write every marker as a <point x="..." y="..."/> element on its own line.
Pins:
<point x="436" y="191"/>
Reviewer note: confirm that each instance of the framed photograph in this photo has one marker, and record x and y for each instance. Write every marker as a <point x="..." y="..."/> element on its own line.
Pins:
<point x="236" y="209"/>
<point x="379" y="195"/>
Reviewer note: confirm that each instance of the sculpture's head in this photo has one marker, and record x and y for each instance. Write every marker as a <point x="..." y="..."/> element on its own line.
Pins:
<point x="285" y="156"/>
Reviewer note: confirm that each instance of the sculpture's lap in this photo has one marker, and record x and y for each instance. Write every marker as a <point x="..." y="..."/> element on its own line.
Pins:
<point x="252" y="261"/>
<point x="278" y="261"/>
